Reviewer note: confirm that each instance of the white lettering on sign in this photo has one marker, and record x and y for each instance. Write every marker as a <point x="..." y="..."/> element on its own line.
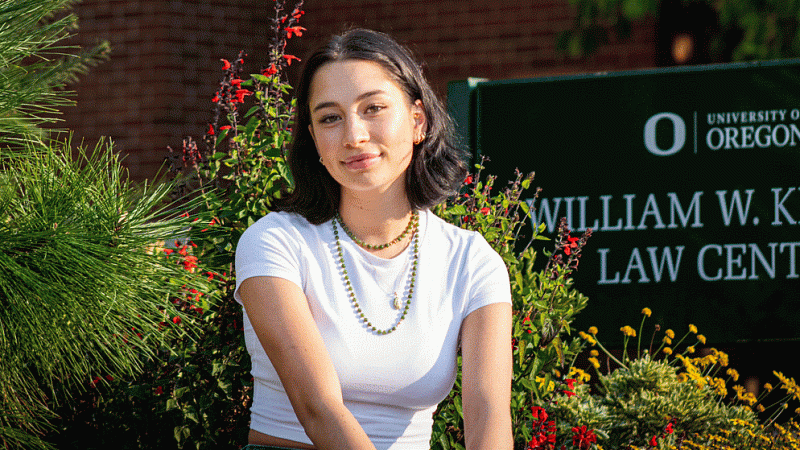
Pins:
<point x="728" y="130"/>
<point x="678" y="134"/>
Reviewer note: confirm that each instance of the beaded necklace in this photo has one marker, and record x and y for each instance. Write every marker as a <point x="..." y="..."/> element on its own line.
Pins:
<point x="411" y="278"/>
<point x="412" y="223"/>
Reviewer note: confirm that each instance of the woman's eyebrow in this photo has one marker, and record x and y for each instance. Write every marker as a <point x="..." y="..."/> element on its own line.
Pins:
<point x="359" y="98"/>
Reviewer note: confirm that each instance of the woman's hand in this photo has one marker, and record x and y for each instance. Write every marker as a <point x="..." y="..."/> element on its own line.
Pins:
<point x="279" y="313"/>
<point x="486" y="377"/>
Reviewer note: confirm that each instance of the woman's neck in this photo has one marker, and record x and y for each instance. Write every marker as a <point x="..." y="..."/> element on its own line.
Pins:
<point x="377" y="219"/>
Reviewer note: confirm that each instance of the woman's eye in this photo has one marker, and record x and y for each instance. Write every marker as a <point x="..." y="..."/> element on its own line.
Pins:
<point x="372" y="109"/>
<point x="330" y="118"/>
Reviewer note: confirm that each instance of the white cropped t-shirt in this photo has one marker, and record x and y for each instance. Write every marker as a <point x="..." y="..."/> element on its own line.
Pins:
<point x="390" y="383"/>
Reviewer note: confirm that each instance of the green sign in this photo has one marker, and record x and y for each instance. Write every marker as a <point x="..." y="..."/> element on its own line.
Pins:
<point x="689" y="178"/>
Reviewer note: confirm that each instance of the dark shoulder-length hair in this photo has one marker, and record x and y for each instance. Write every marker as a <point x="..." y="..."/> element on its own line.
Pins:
<point x="437" y="166"/>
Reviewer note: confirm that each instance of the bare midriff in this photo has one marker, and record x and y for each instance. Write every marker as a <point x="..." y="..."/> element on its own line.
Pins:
<point x="258" y="438"/>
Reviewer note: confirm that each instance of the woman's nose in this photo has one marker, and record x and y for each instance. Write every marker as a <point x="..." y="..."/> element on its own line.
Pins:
<point x="356" y="132"/>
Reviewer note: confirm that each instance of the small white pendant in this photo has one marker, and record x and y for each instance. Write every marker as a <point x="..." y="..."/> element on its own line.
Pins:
<point x="396" y="303"/>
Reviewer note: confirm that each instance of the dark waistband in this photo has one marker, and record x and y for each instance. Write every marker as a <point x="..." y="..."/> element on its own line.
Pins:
<point x="265" y="447"/>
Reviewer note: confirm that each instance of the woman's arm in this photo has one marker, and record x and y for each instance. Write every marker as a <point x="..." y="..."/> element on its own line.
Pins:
<point x="279" y="313"/>
<point x="486" y="377"/>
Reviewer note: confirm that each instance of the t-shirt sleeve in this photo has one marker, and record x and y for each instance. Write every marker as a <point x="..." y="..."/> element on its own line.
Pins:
<point x="489" y="279"/>
<point x="270" y="247"/>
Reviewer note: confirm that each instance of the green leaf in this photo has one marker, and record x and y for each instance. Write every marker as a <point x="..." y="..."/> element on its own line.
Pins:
<point x="222" y="135"/>
<point x="252" y="111"/>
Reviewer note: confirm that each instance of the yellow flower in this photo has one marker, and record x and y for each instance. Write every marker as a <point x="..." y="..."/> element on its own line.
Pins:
<point x="692" y="328"/>
<point x="628" y="331"/>
<point x="723" y="359"/>
<point x="760" y="408"/>
<point x="768" y="387"/>
<point x="690" y="349"/>
<point x="647" y="312"/>
<point x="733" y="373"/>
<point x="719" y="386"/>
<point x="667" y="351"/>
<point x="594" y="353"/>
<point x="702" y="339"/>
<point x="670" y="333"/>
<point x="667" y="340"/>
<point x="595" y="362"/>
<point x="579" y="375"/>
<point x="593" y="330"/>
<point x="588" y="338"/>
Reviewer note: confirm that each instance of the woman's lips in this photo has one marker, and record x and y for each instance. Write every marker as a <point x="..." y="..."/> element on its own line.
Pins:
<point x="361" y="161"/>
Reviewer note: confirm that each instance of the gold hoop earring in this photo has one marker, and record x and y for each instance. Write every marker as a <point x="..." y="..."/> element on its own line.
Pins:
<point x="320" y="161"/>
<point x="420" y="139"/>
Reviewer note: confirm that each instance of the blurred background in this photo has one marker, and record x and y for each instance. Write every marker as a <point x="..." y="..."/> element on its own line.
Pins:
<point x="164" y="66"/>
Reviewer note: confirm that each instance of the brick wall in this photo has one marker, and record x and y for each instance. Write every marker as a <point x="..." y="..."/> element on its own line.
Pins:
<point x="164" y="66"/>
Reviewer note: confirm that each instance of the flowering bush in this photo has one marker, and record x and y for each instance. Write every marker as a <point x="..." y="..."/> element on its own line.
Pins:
<point x="544" y="302"/>
<point x="197" y="393"/>
<point x="666" y="397"/>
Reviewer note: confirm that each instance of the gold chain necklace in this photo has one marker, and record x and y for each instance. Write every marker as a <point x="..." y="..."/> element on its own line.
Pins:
<point x="412" y="223"/>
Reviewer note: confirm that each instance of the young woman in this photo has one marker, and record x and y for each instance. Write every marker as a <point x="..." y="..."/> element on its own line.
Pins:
<point x="357" y="299"/>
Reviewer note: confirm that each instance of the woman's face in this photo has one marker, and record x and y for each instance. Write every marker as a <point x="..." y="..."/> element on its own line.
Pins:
<point x="363" y="125"/>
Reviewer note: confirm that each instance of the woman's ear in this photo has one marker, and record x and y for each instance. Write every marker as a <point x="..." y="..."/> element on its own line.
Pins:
<point x="420" y="119"/>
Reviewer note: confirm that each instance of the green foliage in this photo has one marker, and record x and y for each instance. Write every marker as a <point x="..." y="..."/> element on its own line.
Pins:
<point x="195" y="394"/>
<point x="768" y="29"/>
<point x="667" y="399"/>
<point x="35" y="67"/>
<point x="80" y="288"/>
<point x="544" y="301"/>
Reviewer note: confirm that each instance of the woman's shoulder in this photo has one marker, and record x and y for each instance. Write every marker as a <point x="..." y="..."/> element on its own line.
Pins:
<point x="278" y="224"/>
<point x="444" y="231"/>
<point x="281" y="220"/>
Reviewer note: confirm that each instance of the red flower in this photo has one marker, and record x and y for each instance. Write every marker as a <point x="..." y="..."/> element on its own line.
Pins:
<point x="297" y="13"/>
<point x="109" y="378"/>
<point x="653" y="442"/>
<point x="296" y="30"/>
<point x="210" y="129"/>
<point x="583" y="438"/>
<point x="572" y="242"/>
<point x="236" y="82"/>
<point x="225" y="64"/>
<point x="190" y="262"/>
<point x="271" y="70"/>
<point x="168" y="251"/>
<point x="468" y="180"/>
<point x="485" y="210"/>
<point x="159" y="390"/>
<point x="289" y="59"/>
<point x="669" y="428"/>
<point x="176" y="320"/>
<point x="570" y="383"/>
<point x="241" y="94"/>
<point x="225" y="127"/>
<point x="539" y="414"/>
<point x="216" y="97"/>
<point x="569" y="393"/>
